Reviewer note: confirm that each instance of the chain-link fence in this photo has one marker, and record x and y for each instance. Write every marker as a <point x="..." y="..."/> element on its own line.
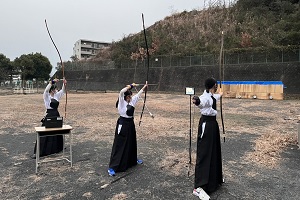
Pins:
<point x="172" y="73"/>
<point x="274" y="56"/>
<point x="249" y="57"/>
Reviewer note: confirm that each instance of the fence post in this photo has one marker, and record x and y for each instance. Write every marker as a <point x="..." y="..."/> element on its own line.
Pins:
<point x="201" y="59"/>
<point x="298" y="134"/>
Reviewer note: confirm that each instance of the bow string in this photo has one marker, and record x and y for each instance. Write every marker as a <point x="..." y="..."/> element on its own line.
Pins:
<point x="147" y="75"/>
<point x="221" y="74"/>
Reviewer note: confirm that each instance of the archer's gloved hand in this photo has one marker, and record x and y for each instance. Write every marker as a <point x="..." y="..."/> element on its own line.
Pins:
<point x="132" y="85"/>
<point x="196" y="100"/>
<point x="52" y="82"/>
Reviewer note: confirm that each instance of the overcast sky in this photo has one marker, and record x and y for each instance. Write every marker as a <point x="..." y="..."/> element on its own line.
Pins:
<point x="23" y="28"/>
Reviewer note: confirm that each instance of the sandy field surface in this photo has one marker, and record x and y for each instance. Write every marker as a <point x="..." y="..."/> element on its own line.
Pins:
<point x="261" y="158"/>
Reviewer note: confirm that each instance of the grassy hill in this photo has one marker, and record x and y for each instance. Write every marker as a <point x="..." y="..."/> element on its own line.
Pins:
<point x="247" y="25"/>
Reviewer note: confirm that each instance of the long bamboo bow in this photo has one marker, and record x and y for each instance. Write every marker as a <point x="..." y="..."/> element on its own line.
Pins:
<point x="62" y="66"/>
<point x="221" y="74"/>
<point x="148" y="58"/>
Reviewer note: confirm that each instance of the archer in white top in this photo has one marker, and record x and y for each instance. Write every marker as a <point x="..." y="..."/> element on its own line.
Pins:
<point x="206" y="103"/>
<point x="124" y="150"/>
<point x="51" y="92"/>
<point x="125" y="100"/>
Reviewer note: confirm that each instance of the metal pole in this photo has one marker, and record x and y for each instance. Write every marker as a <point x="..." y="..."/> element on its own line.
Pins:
<point x="299" y="55"/>
<point x="190" y="150"/>
<point x="299" y="134"/>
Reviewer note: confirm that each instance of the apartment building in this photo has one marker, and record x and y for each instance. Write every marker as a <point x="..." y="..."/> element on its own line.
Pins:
<point x="85" y="49"/>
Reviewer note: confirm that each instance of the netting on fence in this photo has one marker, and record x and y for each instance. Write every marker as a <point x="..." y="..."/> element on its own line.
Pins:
<point x="173" y="73"/>
<point x="249" y="57"/>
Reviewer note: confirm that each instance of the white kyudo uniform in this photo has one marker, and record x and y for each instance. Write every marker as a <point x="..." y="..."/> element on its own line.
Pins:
<point x="208" y="169"/>
<point x="57" y="96"/>
<point x="122" y="106"/>
<point x="124" y="150"/>
<point x="51" y="144"/>
<point x="205" y="106"/>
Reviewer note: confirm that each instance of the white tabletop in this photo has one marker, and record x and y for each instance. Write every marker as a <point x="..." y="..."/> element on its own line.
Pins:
<point x="43" y="129"/>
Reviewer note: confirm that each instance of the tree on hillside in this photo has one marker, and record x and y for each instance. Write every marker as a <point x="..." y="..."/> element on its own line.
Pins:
<point x="74" y="58"/>
<point x="247" y="25"/>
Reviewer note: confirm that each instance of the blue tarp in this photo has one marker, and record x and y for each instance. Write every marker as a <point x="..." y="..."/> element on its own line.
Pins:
<point x="251" y="82"/>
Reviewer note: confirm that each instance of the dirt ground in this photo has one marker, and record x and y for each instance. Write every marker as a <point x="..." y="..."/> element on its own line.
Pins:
<point x="261" y="158"/>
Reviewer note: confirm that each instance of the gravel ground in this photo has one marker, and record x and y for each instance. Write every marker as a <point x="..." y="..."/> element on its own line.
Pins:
<point x="261" y="158"/>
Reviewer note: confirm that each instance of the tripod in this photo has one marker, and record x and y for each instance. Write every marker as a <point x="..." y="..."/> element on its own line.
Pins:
<point x="190" y="149"/>
<point x="190" y="91"/>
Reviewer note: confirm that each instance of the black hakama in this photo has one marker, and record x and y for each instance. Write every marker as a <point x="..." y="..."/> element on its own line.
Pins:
<point x="50" y="144"/>
<point x="208" y="169"/>
<point x="124" y="150"/>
